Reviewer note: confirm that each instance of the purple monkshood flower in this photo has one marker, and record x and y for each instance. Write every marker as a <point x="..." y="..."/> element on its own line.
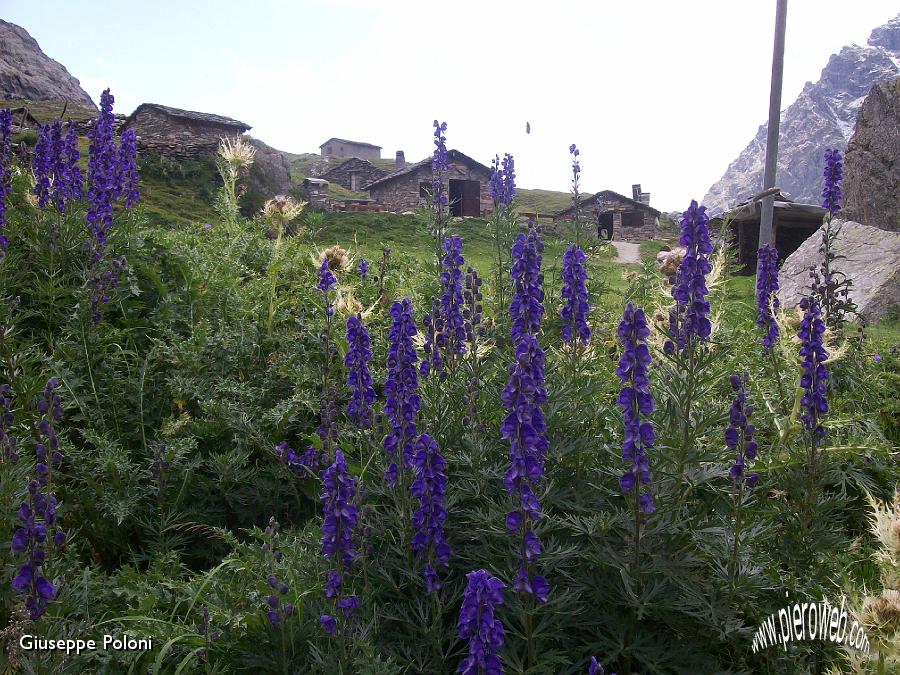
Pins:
<point x="689" y="319"/>
<point x="126" y="180"/>
<point x="278" y="610"/>
<point x="767" y="295"/>
<point x="576" y="166"/>
<point x="359" y="353"/>
<point x="56" y="173"/>
<point x="527" y="306"/>
<point x="575" y="297"/>
<point x="102" y="164"/>
<point x="429" y="487"/>
<point x="636" y="403"/>
<point x="439" y="166"/>
<point x="363" y="268"/>
<point x="450" y="339"/>
<point x="495" y="183"/>
<point x="477" y="624"/>
<point x="739" y="434"/>
<point x="502" y="184"/>
<point x="473" y="309"/>
<point x="833" y="175"/>
<point x="815" y="374"/>
<point x="401" y="406"/>
<point x="326" y="283"/>
<point x="509" y="178"/>
<point x="5" y="173"/>
<point x="339" y="523"/>
<point x="8" y="443"/>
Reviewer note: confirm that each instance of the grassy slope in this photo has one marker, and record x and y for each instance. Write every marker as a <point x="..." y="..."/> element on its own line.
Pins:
<point x="47" y="111"/>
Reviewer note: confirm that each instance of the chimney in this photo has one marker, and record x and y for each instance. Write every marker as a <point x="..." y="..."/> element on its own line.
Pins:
<point x="400" y="160"/>
<point x="645" y="198"/>
<point x="636" y="192"/>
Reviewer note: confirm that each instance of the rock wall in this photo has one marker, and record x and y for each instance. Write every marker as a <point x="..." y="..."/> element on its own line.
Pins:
<point x="27" y="73"/>
<point x="872" y="167"/>
<point x="176" y="137"/>
<point x="354" y="174"/>
<point x="643" y="224"/>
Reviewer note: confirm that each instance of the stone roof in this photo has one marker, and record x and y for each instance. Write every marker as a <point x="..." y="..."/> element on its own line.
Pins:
<point x="410" y="168"/>
<point x="191" y="115"/>
<point x="609" y="194"/>
<point x="344" y="140"/>
<point x="751" y="209"/>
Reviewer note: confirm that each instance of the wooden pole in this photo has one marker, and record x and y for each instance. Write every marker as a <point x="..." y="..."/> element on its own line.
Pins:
<point x="768" y="203"/>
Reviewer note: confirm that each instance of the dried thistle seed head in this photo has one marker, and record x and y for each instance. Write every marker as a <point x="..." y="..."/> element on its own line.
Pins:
<point x="236" y="152"/>
<point x="282" y="209"/>
<point x="338" y="258"/>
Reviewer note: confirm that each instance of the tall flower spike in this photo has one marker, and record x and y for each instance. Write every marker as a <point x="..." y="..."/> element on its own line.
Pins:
<point x="429" y="488"/>
<point x="833" y="175"/>
<point x="575" y="297"/>
<point x="689" y="320"/>
<point x="527" y="307"/>
<point x="478" y="626"/>
<point x="636" y="403"/>
<point x="814" y="376"/>
<point x="5" y="173"/>
<point x="126" y="169"/>
<point x="451" y="339"/>
<point x="767" y="295"/>
<point x="359" y="353"/>
<point x="326" y="283"/>
<point x="439" y="164"/>
<point x="401" y="406"/>
<point x="739" y="434"/>
<point x="338" y="525"/>
<point x="8" y="443"/>
<point x="102" y="164"/>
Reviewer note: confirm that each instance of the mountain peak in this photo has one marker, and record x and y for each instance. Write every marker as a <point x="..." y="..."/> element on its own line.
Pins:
<point x="887" y="36"/>
<point x="27" y="73"/>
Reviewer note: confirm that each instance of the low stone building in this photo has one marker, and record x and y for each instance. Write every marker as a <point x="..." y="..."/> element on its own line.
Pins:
<point x="792" y="224"/>
<point x="629" y="219"/>
<point x="180" y="134"/>
<point x="316" y="192"/>
<point x="340" y="147"/>
<point x="353" y="174"/>
<point x="408" y="188"/>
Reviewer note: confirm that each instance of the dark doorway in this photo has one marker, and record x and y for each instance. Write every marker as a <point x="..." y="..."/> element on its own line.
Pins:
<point x="605" y="226"/>
<point x="465" y="198"/>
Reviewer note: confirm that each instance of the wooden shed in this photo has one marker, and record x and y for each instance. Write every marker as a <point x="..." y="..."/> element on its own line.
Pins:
<point x="792" y="224"/>
<point x="408" y="188"/>
<point x="182" y="134"/>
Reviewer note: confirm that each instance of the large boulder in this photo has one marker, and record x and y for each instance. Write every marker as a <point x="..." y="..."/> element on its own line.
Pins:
<point x="871" y="260"/>
<point x="872" y="169"/>
<point x="270" y="175"/>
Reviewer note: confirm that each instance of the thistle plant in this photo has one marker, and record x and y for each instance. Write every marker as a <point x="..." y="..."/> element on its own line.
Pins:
<point x="429" y="488"/>
<point x="279" y="211"/>
<point x="401" y="406"/>
<point x="5" y="173"/>
<point x="478" y="625"/>
<point x="235" y="157"/>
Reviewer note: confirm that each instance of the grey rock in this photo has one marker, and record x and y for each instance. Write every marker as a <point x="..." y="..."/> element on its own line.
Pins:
<point x="269" y="175"/>
<point x="27" y="73"/>
<point x="822" y="117"/>
<point x="872" y="262"/>
<point x="872" y="167"/>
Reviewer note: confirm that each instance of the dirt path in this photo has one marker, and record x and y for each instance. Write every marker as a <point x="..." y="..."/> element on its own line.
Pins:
<point x="629" y="253"/>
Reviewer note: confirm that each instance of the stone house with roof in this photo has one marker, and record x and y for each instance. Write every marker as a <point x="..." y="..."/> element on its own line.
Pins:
<point x="354" y="173"/>
<point x="409" y="187"/>
<point x="629" y="219"/>
<point x="180" y="134"/>
<point x="341" y="147"/>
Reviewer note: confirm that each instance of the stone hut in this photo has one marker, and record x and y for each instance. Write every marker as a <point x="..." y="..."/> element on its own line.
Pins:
<point x="316" y="191"/>
<point x="409" y="187"/>
<point x="340" y="147"/>
<point x="630" y="219"/>
<point x="181" y="134"/>
<point x="354" y="173"/>
<point x="792" y="224"/>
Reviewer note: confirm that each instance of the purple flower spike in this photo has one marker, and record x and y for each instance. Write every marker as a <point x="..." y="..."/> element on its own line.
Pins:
<point x="339" y="523"/>
<point x="689" y="320"/>
<point x="5" y="160"/>
<point x="767" y="295"/>
<point x="739" y="434"/>
<point x="815" y="373"/>
<point x="429" y="488"/>
<point x="833" y="175"/>
<point x="575" y="297"/>
<point x="636" y="402"/>
<point x="363" y="268"/>
<point x="478" y="625"/>
<point x="401" y="407"/>
<point x="359" y="353"/>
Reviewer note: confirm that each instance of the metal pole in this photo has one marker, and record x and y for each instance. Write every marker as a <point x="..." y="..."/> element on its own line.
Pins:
<point x="768" y="204"/>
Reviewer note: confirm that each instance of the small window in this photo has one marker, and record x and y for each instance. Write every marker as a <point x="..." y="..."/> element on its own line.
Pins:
<point x="627" y="218"/>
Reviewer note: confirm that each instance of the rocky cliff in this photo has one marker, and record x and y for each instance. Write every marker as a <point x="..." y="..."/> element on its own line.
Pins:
<point x="823" y="116"/>
<point x="872" y="167"/>
<point x="27" y="73"/>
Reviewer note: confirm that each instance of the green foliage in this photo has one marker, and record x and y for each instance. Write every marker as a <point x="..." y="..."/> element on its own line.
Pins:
<point x="189" y="355"/>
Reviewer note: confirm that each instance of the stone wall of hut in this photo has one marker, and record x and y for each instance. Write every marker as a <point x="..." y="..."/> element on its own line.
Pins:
<point x="402" y="194"/>
<point x="177" y="137"/>
<point x="344" y="149"/>
<point x="643" y="222"/>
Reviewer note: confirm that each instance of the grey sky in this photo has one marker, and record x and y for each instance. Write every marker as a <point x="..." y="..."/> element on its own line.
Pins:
<point x="657" y="92"/>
